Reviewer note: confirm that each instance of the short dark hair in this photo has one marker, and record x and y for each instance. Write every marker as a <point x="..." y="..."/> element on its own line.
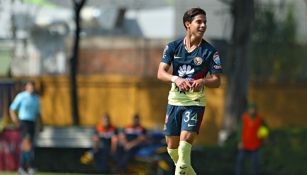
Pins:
<point x="191" y="13"/>
<point x="32" y="82"/>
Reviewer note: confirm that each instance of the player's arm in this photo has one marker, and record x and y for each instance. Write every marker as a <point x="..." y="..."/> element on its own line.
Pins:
<point x="122" y="137"/>
<point x="133" y="143"/>
<point x="14" y="107"/>
<point x="163" y="75"/>
<point x="14" y="118"/>
<point x="214" y="81"/>
<point x="114" y="142"/>
<point x="163" y="72"/>
<point x="215" y="68"/>
<point x="96" y="142"/>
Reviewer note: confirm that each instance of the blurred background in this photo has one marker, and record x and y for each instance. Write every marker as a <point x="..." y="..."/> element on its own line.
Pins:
<point x="102" y="57"/>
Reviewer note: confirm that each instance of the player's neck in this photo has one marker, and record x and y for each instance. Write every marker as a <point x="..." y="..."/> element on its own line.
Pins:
<point x="30" y="92"/>
<point x="191" y="42"/>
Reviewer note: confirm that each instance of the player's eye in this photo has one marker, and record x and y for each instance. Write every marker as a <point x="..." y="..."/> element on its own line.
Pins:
<point x="201" y="21"/>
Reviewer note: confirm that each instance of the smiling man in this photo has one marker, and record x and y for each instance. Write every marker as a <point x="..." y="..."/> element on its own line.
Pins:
<point x="191" y="58"/>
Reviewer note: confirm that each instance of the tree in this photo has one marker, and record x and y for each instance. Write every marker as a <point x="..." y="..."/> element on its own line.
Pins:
<point x="78" y="4"/>
<point x="275" y="48"/>
<point x="237" y="63"/>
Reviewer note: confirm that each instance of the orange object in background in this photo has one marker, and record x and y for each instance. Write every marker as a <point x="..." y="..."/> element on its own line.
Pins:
<point x="250" y="139"/>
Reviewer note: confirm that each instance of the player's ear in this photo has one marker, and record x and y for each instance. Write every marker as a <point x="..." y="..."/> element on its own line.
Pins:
<point x="187" y="25"/>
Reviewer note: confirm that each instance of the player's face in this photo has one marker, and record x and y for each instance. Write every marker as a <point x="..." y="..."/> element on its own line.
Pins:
<point x="30" y="87"/>
<point x="106" y="121"/>
<point x="136" y="121"/>
<point x="198" y="26"/>
<point x="252" y="111"/>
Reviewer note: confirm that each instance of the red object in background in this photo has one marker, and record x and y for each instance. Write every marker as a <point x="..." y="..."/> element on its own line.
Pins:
<point x="251" y="126"/>
<point x="9" y="150"/>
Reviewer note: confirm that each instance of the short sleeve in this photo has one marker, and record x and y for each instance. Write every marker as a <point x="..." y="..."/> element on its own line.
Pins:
<point x="16" y="103"/>
<point x="216" y="65"/>
<point x="168" y="54"/>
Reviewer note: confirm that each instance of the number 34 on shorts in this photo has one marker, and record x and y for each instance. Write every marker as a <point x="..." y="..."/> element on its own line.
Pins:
<point x="180" y="118"/>
<point x="190" y="120"/>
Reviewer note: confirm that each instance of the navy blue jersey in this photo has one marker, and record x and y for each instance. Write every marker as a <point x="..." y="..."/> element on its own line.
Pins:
<point x="192" y="65"/>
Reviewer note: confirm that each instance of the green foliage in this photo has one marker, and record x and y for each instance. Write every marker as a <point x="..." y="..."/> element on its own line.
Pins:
<point x="275" y="53"/>
<point x="42" y="3"/>
<point x="282" y="154"/>
<point x="285" y="154"/>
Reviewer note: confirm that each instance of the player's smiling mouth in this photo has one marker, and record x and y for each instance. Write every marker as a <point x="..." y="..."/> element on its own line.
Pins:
<point x="201" y="30"/>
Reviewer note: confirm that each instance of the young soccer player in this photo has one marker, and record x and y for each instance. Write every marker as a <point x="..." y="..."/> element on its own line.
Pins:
<point x="191" y="58"/>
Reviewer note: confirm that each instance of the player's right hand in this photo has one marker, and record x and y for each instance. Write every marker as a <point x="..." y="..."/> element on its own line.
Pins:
<point x="183" y="84"/>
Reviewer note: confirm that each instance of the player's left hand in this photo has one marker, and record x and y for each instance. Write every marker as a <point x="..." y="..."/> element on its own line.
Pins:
<point x="197" y="85"/>
<point x="183" y="84"/>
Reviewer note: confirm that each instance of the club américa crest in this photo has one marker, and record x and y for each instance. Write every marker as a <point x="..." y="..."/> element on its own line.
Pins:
<point x="198" y="61"/>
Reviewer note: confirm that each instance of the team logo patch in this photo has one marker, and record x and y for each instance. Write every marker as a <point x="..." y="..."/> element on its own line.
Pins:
<point x="216" y="58"/>
<point x="217" y="67"/>
<point x="198" y="61"/>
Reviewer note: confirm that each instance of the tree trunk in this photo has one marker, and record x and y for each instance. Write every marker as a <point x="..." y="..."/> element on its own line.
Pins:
<point x="78" y="4"/>
<point x="237" y="64"/>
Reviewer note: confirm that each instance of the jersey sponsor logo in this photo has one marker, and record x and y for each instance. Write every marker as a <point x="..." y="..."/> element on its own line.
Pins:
<point x="198" y="61"/>
<point x="185" y="71"/>
<point x="216" y="58"/>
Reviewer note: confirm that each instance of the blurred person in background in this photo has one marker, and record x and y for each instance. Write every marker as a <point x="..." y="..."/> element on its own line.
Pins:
<point x="131" y="139"/>
<point x="25" y="114"/>
<point x="252" y="132"/>
<point x="105" y="143"/>
<point x="191" y="58"/>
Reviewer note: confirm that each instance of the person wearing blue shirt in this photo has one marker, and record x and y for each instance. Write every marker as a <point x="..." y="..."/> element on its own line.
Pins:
<point x="195" y="64"/>
<point x="25" y="114"/>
